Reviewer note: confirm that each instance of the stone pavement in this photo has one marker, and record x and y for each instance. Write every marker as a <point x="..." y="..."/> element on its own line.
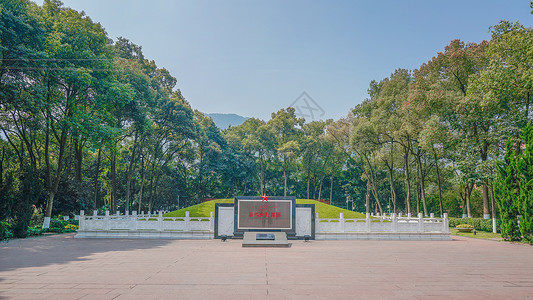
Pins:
<point x="61" y="267"/>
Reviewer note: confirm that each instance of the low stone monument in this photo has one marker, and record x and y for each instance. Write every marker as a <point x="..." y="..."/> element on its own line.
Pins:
<point x="265" y="221"/>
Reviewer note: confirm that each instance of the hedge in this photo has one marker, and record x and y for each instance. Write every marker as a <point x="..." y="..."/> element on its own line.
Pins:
<point x="478" y="223"/>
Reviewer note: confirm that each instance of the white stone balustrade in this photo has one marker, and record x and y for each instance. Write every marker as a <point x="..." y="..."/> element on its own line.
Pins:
<point x="153" y="225"/>
<point x="392" y="224"/>
<point x="145" y="222"/>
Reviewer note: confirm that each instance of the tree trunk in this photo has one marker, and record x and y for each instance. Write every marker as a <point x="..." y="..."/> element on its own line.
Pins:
<point x="486" y="212"/>
<point x="78" y="153"/>
<point x="54" y="183"/>
<point x="308" y="181"/>
<point x="142" y="183"/>
<point x="262" y="176"/>
<point x="320" y="188"/>
<point x="285" y="182"/>
<point x="417" y="187"/>
<point x="463" y="198"/>
<point x="468" y="192"/>
<point x="367" y="197"/>
<point x="96" y="178"/>
<point x="422" y="187"/>
<point x="392" y="192"/>
<point x="113" y="203"/>
<point x="438" y="182"/>
<point x="331" y="191"/>
<point x="407" y="181"/>
<point x="131" y="167"/>
<point x="494" y="229"/>
<point x="2" y="167"/>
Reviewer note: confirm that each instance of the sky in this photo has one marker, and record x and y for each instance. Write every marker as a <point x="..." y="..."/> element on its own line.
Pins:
<point x="254" y="57"/>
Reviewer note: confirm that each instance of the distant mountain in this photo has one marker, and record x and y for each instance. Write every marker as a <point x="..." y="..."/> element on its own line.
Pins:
<point x="223" y="121"/>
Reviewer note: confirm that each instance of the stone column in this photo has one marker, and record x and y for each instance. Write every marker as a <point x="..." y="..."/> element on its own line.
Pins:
<point x="446" y="223"/>
<point x="187" y="221"/>
<point x="133" y="221"/>
<point x="420" y="222"/>
<point x="212" y="221"/>
<point x="367" y="222"/>
<point x="82" y="220"/>
<point x="106" y="220"/>
<point x="160" y="221"/>
<point x="341" y="223"/>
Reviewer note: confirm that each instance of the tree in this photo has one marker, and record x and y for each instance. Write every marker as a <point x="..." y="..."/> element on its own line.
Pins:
<point x="284" y="124"/>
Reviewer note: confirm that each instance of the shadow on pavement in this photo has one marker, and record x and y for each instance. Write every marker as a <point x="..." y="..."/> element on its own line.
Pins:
<point x="62" y="249"/>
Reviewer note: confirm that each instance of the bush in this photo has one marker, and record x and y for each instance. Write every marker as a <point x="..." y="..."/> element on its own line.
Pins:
<point x="58" y="225"/>
<point x="478" y="223"/>
<point x="5" y="230"/>
<point x="33" y="231"/>
<point x="464" y="226"/>
<point x="71" y="227"/>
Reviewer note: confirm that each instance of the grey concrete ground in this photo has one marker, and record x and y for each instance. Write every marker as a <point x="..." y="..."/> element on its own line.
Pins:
<point x="61" y="267"/>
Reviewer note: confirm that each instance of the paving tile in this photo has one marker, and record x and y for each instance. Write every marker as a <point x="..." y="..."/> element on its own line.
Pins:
<point x="60" y="267"/>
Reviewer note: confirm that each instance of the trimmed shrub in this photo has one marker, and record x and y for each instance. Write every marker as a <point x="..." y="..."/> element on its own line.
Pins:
<point x="71" y="227"/>
<point x="464" y="226"/>
<point x="33" y="231"/>
<point x="478" y="223"/>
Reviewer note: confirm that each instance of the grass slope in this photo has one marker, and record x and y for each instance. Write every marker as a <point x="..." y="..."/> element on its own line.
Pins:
<point x="324" y="211"/>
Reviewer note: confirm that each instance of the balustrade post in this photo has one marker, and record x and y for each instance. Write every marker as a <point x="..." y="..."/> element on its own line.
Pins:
<point x="212" y="221"/>
<point x="160" y="221"/>
<point x="106" y="220"/>
<point x="341" y="222"/>
<point x="432" y="215"/>
<point x="133" y="220"/>
<point x="187" y="221"/>
<point x="446" y="223"/>
<point x="367" y="222"/>
<point x="82" y="220"/>
<point x="317" y="223"/>
<point x="394" y="223"/>
<point x="95" y="213"/>
<point x="420" y="222"/>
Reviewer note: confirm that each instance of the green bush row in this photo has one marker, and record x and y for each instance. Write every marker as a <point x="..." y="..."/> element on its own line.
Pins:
<point x="478" y="223"/>
<point x="56" y="225"/>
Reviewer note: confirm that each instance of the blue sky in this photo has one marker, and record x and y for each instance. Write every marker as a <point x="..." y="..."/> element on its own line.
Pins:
<point x="253" y="57"/>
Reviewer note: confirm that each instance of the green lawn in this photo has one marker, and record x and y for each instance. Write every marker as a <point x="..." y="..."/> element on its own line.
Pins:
<point x="198" y="210"/>
<point x="478" y="235"/>
<point x="323" y="210"/>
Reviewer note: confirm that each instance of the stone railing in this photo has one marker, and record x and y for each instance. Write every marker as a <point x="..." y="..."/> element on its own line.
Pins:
<point x="156" y="226"/>
<point x="145" y="222"/>
<point x="383" y="224"/>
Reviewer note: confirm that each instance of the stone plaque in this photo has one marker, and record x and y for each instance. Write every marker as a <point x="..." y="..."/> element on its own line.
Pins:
<point x="260" y="214"/>
<point x="265" y="236"/>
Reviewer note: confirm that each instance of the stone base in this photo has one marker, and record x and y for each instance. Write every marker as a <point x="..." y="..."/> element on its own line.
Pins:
<point x="146" y="234"/>
<point x="390" y="236"/>
<point x="250" y="240"/>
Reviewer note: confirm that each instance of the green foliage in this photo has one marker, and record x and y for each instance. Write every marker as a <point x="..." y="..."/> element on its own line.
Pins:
<point x="34" y="231"/>
<point x="58" y="225"/>
<point x="90" y="123"/>
<point x="5" y="230"/>
<point x="464" y="226"/>
<point x="514" y="185"/>
<point x="478" y="223"/>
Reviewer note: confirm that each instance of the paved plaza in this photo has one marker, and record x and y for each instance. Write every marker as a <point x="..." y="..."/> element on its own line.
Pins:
<point x="61" y="267"/>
